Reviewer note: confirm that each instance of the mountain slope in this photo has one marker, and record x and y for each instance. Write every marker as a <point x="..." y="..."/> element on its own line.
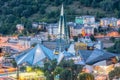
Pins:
<point x="14" y="12"/>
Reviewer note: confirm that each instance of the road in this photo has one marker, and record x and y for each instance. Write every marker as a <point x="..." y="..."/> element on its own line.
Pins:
<point x="6" y="78"/>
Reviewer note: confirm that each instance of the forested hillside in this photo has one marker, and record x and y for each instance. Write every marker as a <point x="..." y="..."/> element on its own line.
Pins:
<point x="13" y="12"/>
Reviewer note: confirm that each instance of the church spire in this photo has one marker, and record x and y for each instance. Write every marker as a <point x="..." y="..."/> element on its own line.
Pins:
<point x="63" y="31"/>
<point x="61" y="27"/>
<point x="62" y="11"/>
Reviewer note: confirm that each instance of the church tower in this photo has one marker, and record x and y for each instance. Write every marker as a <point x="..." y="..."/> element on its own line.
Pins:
<point x="63" y="30"/>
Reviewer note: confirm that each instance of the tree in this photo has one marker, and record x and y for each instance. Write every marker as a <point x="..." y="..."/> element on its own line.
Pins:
<point x="42" y="10"/>
<point x="119" y="30"/>
<point x="76" y="69"/>
<point x="18" y="10"/>
<point x="106" y="5"/>
<point x="114" y="73"/>
<point x="99" y="28"/>
<point x="92" y="38"/>
<point x="66" y="75"/>
<point x="112" y="39"/>
<point x="58" y="70"/>
<point x="67" y="2"/>
<point x="49" y="68"/>
<point x="14" y="63"/>
<point x="111" y="49"/>
<point x="85" y="76"/>
<point x="10" y="18"/>
<point x="69" y="66"/>
<point x="94" y="4"/>
<point x="66" y="70"/>
<point x="86" y="2"/>
<point x="115" y="48"/>
<point x="95" y="30"/>
<point x="66" y="64"/>
<point x="75" y="38"/>
<point x="33" y="45"/>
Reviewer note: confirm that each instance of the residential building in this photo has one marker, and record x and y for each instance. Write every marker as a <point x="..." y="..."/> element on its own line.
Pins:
<point x="105" y="22"/>
<point x="34" y="24"/>
<point x="43" y="36"/>
<point x="77" y="29"/>
<point x="20" y="27"/>
<point x="99" y="45"/>
<point x="118" y="22"/>
<point x="39" y="25"/>
<point x="53" y="29"/>
<point x="71" y="26"/>
<point x="24" y="41"/>
<point x="42" y="25"/>
<point x="89" y="30"/>
<point x="85" y="20"/>
<point x="85" y="40"/>
<point x="35" y="40"/>
<point x="95" y="25"/>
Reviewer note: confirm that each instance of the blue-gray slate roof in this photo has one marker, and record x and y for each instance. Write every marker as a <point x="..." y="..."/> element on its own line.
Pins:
<point x="35" y="55"/>
<point x="91" y="57"/>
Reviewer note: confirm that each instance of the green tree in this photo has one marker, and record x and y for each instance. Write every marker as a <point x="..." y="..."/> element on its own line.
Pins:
<point x="58" y="70"/>
<point x="67" y="2"/>
<point x="114" y="73"/>
<point x="66" y="75"/>
<point x="95" y="30"/>
<point x="92" y="38"/>
<point x="70" y="67"/>
<point x="49" y="68"/>
<point x="106" y="5"/>
<point x="75" y="38"/>
<point x="76" y="69"/>
<point x="42" y="9"/>
<point x="112" y="39"/>
<point x="94" y="4"/>
<point x="99" y="29"/>
<point x="119" y="30"/>
<point x="14" y="63"/>
<point x="85" y="76"/>
<point x="18" y="10"/>
<point x="66" y="64"/>
<point x="66" y="70"/>
<point x="115" y="48"/>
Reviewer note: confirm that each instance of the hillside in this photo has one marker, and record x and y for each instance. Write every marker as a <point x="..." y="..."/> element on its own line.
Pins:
<point x="14" y="12"/>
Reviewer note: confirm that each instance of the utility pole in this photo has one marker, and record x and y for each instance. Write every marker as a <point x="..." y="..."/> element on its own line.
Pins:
<point x="17" y="72"/>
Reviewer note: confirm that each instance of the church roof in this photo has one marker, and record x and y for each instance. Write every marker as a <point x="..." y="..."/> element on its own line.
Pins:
<point x="64" y="55"/>
<point x="91" y="57"/>
<point x="35" y="55"/>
